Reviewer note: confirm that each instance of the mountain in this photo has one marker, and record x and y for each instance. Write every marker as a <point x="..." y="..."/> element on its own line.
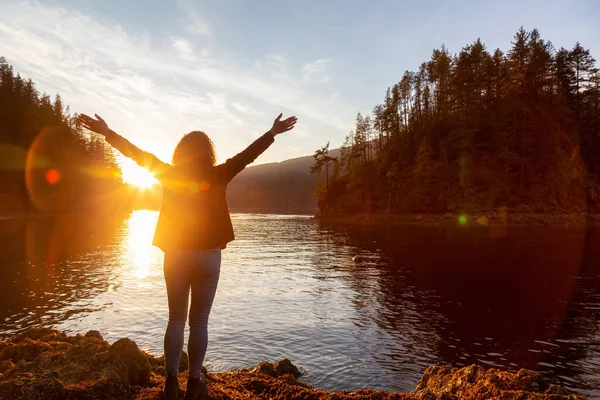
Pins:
<point x="282" y="187"/>
<point x="286" y="186"/>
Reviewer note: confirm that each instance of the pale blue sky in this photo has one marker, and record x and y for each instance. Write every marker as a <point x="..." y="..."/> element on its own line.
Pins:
<point x="157" y="69"/>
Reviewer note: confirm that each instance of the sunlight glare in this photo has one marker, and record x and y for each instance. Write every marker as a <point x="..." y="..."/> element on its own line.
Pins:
<point x="139" y="241"/>
<point x="136" y="175"/>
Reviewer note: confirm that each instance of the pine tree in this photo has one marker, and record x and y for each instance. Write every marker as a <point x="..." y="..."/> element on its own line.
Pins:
<point x="480" y="130"/>
<point x="38" y="135"/>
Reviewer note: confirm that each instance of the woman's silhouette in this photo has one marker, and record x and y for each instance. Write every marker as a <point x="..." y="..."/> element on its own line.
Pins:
<point x="193" y="226"/>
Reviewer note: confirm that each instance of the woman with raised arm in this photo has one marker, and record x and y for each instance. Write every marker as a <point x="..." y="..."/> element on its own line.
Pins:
<point x="193" y="226"/>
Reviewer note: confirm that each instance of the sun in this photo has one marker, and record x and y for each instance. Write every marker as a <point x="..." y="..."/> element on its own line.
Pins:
<point x="136" y="175"/>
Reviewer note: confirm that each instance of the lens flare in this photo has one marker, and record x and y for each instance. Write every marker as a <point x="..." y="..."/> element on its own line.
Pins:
<point x="462" y="219"/>
<point x="194" y="187"/>
<point x="52" y="176"/>
<point x="42" y="174"/>
<point x="483" y="220"/>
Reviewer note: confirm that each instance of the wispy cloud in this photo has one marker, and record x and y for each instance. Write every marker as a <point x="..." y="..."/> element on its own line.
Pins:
<point x="316" y="71"/>
<point x="155" y="89"/>
<point x="195" y="24"/>
<point x="184" y="49"/>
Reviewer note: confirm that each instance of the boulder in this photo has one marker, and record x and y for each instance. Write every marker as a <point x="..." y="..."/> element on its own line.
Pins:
<point x="129" y="362"/>
<point x="475" y="382"/>
<point x="285" y="367"/>
<point x="265" y="368"/>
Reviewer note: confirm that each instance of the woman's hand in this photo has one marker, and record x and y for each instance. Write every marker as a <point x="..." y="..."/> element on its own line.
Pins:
<point x="280" y="126"/>
<point x="94" y="125"/>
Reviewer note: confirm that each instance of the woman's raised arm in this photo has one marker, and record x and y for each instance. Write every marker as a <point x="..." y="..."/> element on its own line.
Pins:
<point x="128" y="149"/>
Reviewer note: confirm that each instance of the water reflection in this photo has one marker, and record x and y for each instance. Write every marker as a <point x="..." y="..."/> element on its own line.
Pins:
<point x="140" y="230"/>
<point x="523" y="299"/>
<point x="48" y="264"/>
<point x="352" y="307"/>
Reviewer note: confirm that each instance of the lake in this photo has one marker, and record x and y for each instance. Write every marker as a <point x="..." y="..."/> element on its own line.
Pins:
<point x="351" y="306"/>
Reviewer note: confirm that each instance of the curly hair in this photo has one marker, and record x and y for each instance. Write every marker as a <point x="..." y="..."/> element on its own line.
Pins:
<point x="195" y="149"/>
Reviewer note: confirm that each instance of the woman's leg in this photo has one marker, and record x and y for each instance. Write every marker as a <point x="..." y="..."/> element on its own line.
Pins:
<point x="204" y="278"/>
<point x="177" y="279"/>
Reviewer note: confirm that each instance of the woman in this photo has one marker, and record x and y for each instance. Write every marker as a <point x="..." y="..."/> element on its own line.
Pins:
<point x="193" y="226"/>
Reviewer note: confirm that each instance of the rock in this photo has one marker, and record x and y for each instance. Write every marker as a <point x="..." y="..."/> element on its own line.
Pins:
<point x="63" y="346"/>
<point x="93" y="334"/>
<point x="471" y="373"/>
<point x="265" y="368"/>
<point x="183" y="362"/>
<point x="32" y="387"/>
<point x="47" y="388"/>
<point x="21" y="365"/>
<point x="555" y="389"/>
<point x="52" y="365"/>
<point x="529" y="380"/>
<point x="157" y="364"/>
<point x="129" y="362"/>
<point x="284" y="367"/>
<point x="426" y="394"/>
<point x="76" y="338"/>
<point x="6" y="365"/>
<point x="35" y="334"/>
<point x="26" y="349"/>
<point x="474" y="382"/>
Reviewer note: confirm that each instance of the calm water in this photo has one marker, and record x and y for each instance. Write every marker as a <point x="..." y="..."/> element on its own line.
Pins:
<point x="352" y="307"/>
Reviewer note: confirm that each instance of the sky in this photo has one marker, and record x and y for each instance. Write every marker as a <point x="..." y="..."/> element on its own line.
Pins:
<point x="157" y="69"/>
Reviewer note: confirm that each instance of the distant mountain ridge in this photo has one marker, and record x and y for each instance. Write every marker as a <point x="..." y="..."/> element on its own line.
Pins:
<point x="286" y="186"/>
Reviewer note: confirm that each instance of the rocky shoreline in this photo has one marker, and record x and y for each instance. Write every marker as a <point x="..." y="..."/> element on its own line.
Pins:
<point x="48" y="364"/>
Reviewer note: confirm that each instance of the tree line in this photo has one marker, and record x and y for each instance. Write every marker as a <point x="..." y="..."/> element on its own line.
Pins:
<point x="475" y="131"/>
<point x="47" y="163"/>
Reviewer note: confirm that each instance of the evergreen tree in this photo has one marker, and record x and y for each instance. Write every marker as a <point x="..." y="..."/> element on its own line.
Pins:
<point x="478" y="131"/>
<point x="48" y="163"/>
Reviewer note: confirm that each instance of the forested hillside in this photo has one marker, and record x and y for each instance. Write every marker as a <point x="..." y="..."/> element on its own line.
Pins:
<point x="47" y="162"/>
<point x="286" y="186"/>
<point x="478" y="130"/>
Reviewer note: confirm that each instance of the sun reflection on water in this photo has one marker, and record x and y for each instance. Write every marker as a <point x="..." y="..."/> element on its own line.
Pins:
<point x="139" y="242"/>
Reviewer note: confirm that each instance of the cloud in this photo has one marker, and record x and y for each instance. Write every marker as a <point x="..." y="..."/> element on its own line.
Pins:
<point x="195" y="24"/>
<point x="184" y="49"/>
<point x="153" y="89"/>
<point x="316" y="71"/>
<point x="198" y="27"/>
<point x="241" y="107"/>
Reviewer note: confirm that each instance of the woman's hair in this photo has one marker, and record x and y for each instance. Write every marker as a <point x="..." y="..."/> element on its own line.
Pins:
<point x="195" y="150"/>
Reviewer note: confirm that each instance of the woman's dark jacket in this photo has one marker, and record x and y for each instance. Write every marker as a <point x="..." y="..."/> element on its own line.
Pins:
<point x="194" y="213"/>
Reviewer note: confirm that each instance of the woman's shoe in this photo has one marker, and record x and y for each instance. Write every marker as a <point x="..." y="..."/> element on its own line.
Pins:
<point x="197" y="388"/>
<point x="171" y="388"/>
